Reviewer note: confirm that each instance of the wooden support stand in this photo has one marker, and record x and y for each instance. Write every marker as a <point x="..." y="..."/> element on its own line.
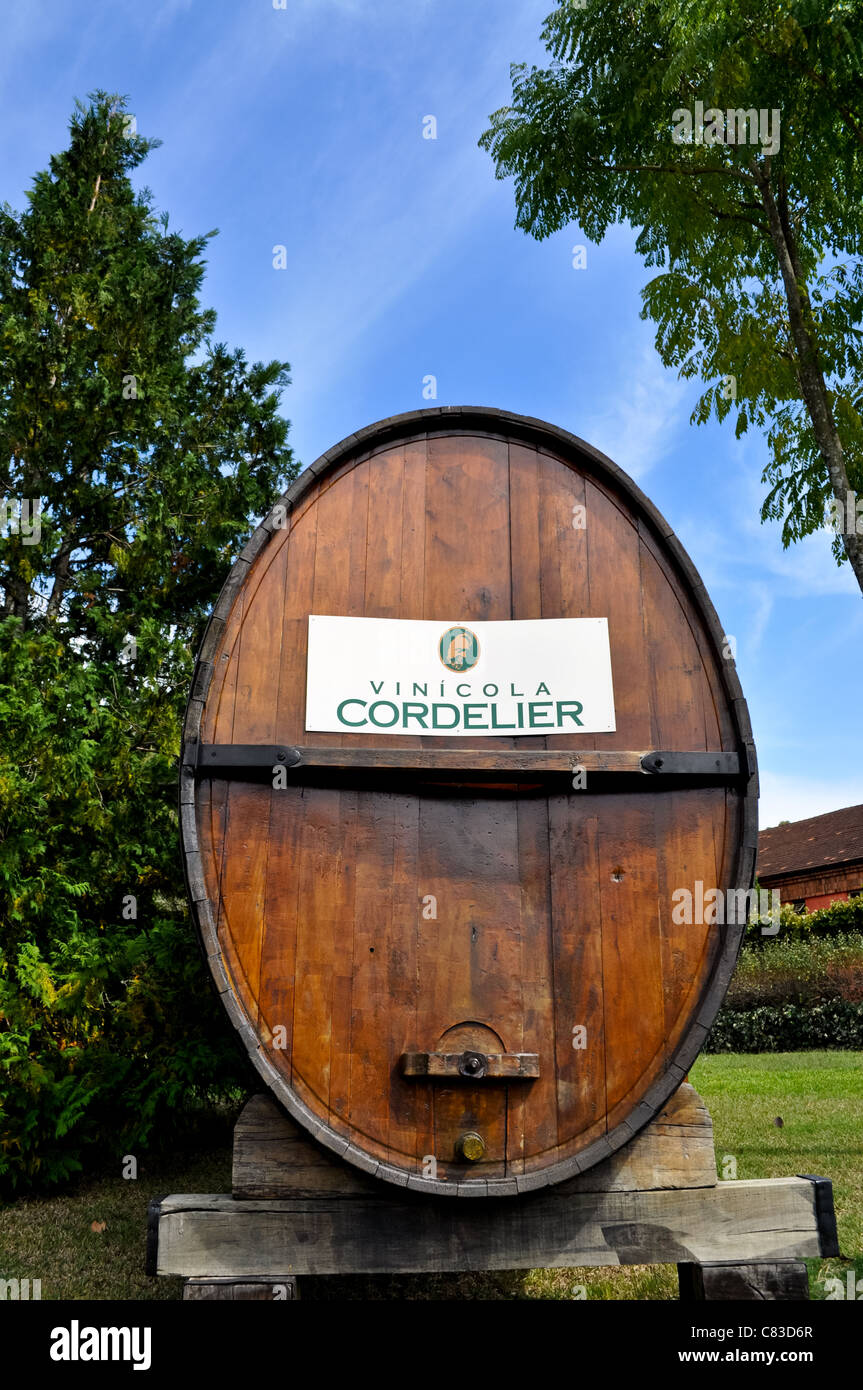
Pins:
<point x="782" y="1280"/>
<point x="656" y="1200"/>
<point x="237" y="1291"/>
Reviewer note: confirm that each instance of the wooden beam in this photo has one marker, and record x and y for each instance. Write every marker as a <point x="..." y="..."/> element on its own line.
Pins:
<point x="282" y="1290"/>
<point x="766" y="1219"/>
<point x="473" y="1066"/>
<point x="779" y="1281"/>
<point x="275" y="1157"/>
<point x="471" y="759"/>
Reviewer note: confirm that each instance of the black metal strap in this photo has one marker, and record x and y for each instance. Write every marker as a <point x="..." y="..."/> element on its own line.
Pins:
<point x="251" y="761"/>
<point x="234" y="759"/>
<point x="692" y="764"/>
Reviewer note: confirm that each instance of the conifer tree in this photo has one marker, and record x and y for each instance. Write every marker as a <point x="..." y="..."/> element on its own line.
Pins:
<point x="135" y="451"/>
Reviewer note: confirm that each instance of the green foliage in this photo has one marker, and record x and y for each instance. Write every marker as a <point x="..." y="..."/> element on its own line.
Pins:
<point x="805" y="926"/>
<point x="760" y="249"/>
<point x="795" y="970"/>
<point x="788" y="1028"/>
<point x="108" y="1025"/>
<point x="801" y="989"/>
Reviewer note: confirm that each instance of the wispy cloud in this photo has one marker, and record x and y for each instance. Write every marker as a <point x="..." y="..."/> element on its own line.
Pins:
<point x="338" y="297"/>
<point x="397" y="204"/>
<point x="760" y="612"/>
<point x="641" y="415"/>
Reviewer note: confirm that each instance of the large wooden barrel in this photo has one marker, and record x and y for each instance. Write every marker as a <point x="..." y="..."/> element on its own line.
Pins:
<point x="456" y="952"/>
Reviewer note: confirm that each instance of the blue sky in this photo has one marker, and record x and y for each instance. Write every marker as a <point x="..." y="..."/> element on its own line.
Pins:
<point x="303" y="127"/>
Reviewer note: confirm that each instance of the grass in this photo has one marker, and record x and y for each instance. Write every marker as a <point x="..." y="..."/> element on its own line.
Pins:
<point x="51" y="1238"/>
<point x="817" y="1095"/>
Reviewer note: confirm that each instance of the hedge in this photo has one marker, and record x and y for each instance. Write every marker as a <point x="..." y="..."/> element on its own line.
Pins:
<point x="815" y="961"/>
<point x="827" y="921"/>
<point x="833" y="1024"/>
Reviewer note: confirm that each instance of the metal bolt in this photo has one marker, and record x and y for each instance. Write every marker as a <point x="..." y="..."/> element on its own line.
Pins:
<point x="473" y="1064"/>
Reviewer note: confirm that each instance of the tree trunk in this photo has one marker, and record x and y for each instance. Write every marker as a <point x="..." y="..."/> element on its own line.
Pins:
<point x="811" y="377"/>
<point x="61" y="578"/>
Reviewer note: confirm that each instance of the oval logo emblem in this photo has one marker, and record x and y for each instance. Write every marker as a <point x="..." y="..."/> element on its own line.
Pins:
<point x="459" y="649"/>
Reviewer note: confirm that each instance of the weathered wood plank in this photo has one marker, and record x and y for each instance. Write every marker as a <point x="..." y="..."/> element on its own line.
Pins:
<point x="283" y="1290"/>
<point x="274" y="1157"/>
<point x="508" y="1066"/>
<point x="675" y="1150"/>
<point x="778" y="1281"/>
<point x="760" y="1220"/>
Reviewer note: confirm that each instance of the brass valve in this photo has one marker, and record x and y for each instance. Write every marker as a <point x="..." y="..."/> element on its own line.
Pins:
<point x="470" y="1146"/>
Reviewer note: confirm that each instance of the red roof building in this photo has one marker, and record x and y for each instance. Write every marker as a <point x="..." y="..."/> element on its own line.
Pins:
<point x="814" y="862"/>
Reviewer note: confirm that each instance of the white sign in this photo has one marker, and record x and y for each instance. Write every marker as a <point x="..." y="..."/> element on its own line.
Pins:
<point x="471" y="680"/>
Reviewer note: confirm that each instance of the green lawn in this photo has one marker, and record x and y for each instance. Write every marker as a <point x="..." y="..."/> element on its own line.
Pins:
<point x="819" y="1098"/>
<point x="817" y="1095"/>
